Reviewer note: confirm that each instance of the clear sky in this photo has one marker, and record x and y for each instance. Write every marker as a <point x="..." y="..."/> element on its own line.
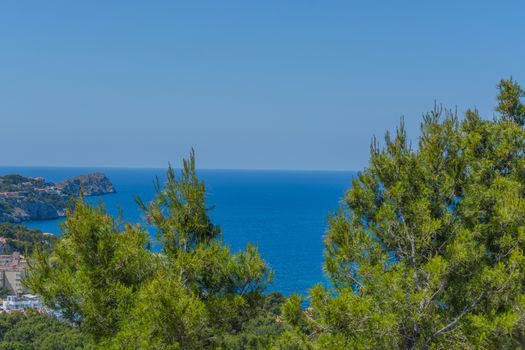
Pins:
<point x="248" y="84"/>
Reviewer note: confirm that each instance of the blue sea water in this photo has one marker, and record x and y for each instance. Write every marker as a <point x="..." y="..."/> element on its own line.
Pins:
<point x="283" y="213"/>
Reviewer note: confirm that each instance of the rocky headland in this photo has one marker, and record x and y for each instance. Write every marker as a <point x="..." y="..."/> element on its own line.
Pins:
<point x="25" y="198"/>
<point x="87" y="185"/>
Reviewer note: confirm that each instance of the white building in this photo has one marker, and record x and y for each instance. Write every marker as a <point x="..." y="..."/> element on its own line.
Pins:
<point x="26" y="301"/>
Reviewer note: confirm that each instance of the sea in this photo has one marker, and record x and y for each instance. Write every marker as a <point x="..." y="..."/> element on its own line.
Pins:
<point x="283" y="213"/>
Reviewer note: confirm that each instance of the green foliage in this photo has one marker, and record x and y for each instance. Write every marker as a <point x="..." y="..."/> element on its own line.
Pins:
<point x="427" y="250"/>
<point x="4" y="292"/>
<point x="94" y="270"/>
<point x="180" y="213"/>
<point x="292" y="310"/>
<point x="33" y="331"/>
<point x="202" y="293"/>
<point x="22" y="239"/>
<point x="260" y="331"/>
<point x="196" y="294"/>
<point x="510" y="106"/>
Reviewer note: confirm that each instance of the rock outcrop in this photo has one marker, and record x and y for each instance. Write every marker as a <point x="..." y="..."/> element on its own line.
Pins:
<point x="87" y="185"/>
<point x="24" y="198"/>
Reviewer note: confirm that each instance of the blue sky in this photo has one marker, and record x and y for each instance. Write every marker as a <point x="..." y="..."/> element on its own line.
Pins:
<point x="248" y="84"/>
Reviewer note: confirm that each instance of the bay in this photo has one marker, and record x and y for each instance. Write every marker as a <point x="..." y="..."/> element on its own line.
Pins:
<point x="283" y="213"/>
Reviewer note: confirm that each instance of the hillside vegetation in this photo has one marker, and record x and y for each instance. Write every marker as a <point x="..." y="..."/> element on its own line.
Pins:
<point x="21" y="239"/>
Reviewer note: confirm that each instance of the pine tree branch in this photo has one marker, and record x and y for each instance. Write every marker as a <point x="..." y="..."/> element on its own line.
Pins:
<point x="454" y="322"/>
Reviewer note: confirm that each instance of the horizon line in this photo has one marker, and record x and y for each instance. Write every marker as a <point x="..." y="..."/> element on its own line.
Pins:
<point x="166" y="167"/>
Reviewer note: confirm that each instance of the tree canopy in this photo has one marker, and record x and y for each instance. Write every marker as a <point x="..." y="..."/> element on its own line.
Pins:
<point x="510" y="106"/>
<point x="34" y="331"/>
<point x="195" y="293"/>
<point x="427" y="250"/>
<point x="21" y="239"/>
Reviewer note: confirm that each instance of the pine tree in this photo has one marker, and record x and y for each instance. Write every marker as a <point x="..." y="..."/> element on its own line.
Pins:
<point x="196" y="293"/>
<point x="428" y="249"/>
<point x="510" y="106"/>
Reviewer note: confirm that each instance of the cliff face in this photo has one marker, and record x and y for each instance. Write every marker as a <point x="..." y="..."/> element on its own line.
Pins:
<point x="88" y="185"/>
<point x="23" y="209"/>
<point x="23" y="198"/>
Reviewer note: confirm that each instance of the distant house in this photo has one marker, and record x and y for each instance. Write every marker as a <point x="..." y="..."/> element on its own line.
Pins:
<point x="27" y="301"/>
